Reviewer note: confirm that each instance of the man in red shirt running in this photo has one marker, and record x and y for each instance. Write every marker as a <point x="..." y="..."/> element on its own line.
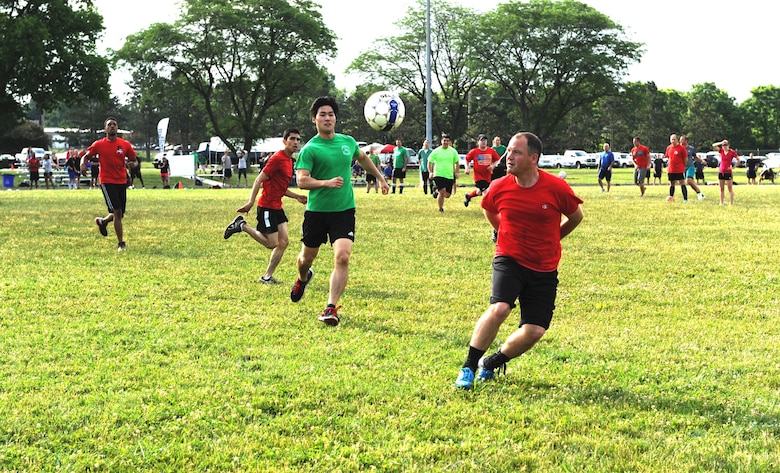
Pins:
<point x="483" y="159"/>
<point x="112" y="153"/>
<point x="271" y="229"/>
<point x="532" y="211"/>
<point x="641" y="156"/>
<point x="678" y="160"/>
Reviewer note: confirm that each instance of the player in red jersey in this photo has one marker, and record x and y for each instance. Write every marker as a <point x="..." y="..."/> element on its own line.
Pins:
<point x="532" y="211"/>
<point x="678" y="161"/>
<point x="271" y="231"/>
<point x="113" y="154"/>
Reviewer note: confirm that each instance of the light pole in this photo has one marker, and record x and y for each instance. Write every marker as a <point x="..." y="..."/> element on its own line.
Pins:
<point x="428" y="105"/>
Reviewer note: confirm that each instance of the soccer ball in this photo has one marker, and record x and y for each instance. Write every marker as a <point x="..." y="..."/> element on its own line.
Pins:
<point x="384" y="111"/>
<point x="562" y="174"/>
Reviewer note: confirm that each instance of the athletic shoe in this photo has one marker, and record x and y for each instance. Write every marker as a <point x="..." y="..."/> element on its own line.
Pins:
<point x="465" y="379"/>
<point x="441" y="210"/>
<point x="670" y="198"/>
<point x="466" y="200"/>
<point x="702" y="197"/>
<point x="234" y="227"/>
<point x="101" y="226"/>
<point x="330" y="316"/>
<point x="485" y="374"/>
<point x="269" y="280"/>
<point x="602" y="189"/>
<point x="299" y="287"/>
<point x="685" y="201"/>
<point x="121" y="247"/>
<point x="435" y="194"/>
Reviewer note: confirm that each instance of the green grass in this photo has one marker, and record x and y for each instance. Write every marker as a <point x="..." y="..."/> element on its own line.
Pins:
<point x="171" y="357"/>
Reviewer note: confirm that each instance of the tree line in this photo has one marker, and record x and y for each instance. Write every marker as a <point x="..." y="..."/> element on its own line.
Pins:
<point x="245" y="71"/>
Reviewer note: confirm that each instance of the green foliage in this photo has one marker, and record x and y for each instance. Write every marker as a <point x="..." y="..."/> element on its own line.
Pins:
<point x="244" y="61"/>
<point x="170" y="357"/>
<point x="28" y="134"/>
<point x="47" y="55"/>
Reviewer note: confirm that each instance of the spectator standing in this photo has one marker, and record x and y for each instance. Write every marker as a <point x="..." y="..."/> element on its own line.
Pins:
<point x="33" y="166"/>
<point x="48" y="164"/>
<point x="700" y="165"/>
<point x="165" y="172"/>
<point x="483" y="159"/>
<point x="94" y="169"/>
<point x="370" y="178"/>
<point x="443" y="165"/>
<point x="690" y="169"/>
<point x="678" y="159"/>
<point x="324" y="169"/>
<point x="751" y="168"/>
<point x="114" y="154"/>
<point x="242" y="167"/>
<point x="271" y="231"/>
<point x="658" y="169"/>
<point x="606" y="161"/>
<point x="532" y="211"/>
<point x="728" y="159"/>
<point x="227" y="169"/>
<point x="640" y="154"/>
<point x="72" y="167"/>
<point x="425" y="176"/>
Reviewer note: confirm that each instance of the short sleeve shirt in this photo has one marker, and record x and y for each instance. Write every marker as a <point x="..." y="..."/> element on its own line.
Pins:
<point x="444" y="161"/>
<point x="326" y="159"/>
<point x="279" y="169"/>
<point x="111" y="155"/>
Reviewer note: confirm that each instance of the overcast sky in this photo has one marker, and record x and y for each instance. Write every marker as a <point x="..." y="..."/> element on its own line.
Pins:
<point x="687" y="42"/>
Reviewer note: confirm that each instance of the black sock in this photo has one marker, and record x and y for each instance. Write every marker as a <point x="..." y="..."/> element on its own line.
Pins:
<point x="684" y="192"/>
<point x="473" y="358"/>
<point x="332" y="306"/>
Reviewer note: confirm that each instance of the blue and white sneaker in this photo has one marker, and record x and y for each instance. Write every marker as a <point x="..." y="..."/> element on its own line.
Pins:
<point x="465" y="378"/>
<point x="485" y="374"/>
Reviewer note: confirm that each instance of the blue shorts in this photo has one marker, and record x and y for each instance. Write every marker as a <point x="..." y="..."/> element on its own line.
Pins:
<point x="605" y="173"/>
<point x="535" y="291"/>
<point x="690" y="172"/>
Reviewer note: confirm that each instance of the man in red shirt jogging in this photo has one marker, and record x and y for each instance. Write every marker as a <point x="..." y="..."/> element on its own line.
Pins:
<point x="678" y="161"/>
<point x="532" y="211"/>
<point x="271" y="229"/>
<point x="483" y="159"/>
<point x="112" y="153"/>
<point x="641" y="156"/>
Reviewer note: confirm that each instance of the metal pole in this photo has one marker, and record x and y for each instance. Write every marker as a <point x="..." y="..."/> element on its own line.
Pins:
<point x="428" y="105"/>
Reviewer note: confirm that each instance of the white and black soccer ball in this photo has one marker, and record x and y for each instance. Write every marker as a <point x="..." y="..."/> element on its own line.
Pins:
<point x="384" y="111"/>
<point x="562" y="175"/>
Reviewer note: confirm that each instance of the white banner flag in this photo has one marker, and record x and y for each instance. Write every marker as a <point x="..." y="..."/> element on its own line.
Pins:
<point x="162" y="131"/>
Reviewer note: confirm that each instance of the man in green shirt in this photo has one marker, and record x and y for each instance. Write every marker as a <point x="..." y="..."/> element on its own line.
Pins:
<point x="425" y="176"/>
<point x="400" y="160"/>
<point x="324" y="167"/>
<point x="443" y="165"/>
<point x="370" y="178"/>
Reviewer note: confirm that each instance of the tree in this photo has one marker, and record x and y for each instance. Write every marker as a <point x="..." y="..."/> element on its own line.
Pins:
<point x="244" y="60"/>
<point x="763" y="111"/>
<point x="711" y="115"/>
<point x="551" y="58"/>
<point x="47" y="55"/>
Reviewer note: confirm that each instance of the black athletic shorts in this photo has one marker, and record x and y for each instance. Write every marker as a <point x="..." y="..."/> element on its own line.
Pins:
<point x="442" y="183"/>
<point x="535" y="291"/>
<point x="268" y="220"/>
<point x="116" y="197"/>
<point x="399" y="173"/>
<point x="318" y="226"/>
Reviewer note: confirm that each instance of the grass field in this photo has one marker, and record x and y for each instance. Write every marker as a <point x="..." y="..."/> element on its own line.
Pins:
<point x="662" y="355"/>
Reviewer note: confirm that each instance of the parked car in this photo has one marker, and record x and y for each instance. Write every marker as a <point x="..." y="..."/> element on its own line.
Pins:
<point x="772" y="160"/>
<point x="550" y="161"/>
<point x="575" y="158"/>
<point x="21" y="157"/>
<point x="623" y="160"/>
<point x="6" y="161"/>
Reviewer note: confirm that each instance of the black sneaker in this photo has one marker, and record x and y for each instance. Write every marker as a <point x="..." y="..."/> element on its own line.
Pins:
<point x="234" y="227"/>
<point x="466" y="200"/>
<point x="101" y="226"/>
<point x="121" y="247"/>
<point x="299" y="287"/>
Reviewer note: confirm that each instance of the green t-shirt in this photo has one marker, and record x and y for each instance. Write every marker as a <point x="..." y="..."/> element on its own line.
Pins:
<point x="374" y="159"/>
<point x="326" y="159"/>
<point x="500" y="149"/>
<point x="444" y="162"/>
<point x="422" y="155"/>
<point x="400" y="154"/>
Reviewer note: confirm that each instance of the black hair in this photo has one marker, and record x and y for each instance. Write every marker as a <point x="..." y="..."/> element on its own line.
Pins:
<point x="322" y="101"/>
<point x="290" y="131"/>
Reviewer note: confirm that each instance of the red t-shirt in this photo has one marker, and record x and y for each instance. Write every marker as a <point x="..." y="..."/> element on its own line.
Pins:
<point x="111" y="156"/>
<point x="726" y="160"/>
<point x="482" y="159"/>
<point x="33" y="164"/>
<point x="530" y="228"/>
<point x="641" y="156"/>
<point x="678" y="159"/>
<point x="279" y="170"/>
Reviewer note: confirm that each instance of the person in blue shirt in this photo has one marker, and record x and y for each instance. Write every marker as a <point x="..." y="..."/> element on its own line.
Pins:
<point x="606" y="160"/>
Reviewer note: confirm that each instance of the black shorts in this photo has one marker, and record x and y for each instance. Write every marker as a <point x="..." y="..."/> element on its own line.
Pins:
<point x="96" y="172"/>
<point x="677" y="176"/>
<point x="370" y="178"/>
<point x="34" y="176"/>
<point x="399" y="173"/>
<point x="605" y="173"/>
<point x="318" y="226"/>
<point x="725" y="176"/>
<point x="116" y="197"/>
<point x="535" y="291"/>
<point x="268" y="220"/>
<point x="241" y="171"/>
<point x="227" y="173"/>
<point x="135" y="171"/>
<point x="751" y="173"/>
<point x="442" y="183"/>
<point x="482" y="185"/>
